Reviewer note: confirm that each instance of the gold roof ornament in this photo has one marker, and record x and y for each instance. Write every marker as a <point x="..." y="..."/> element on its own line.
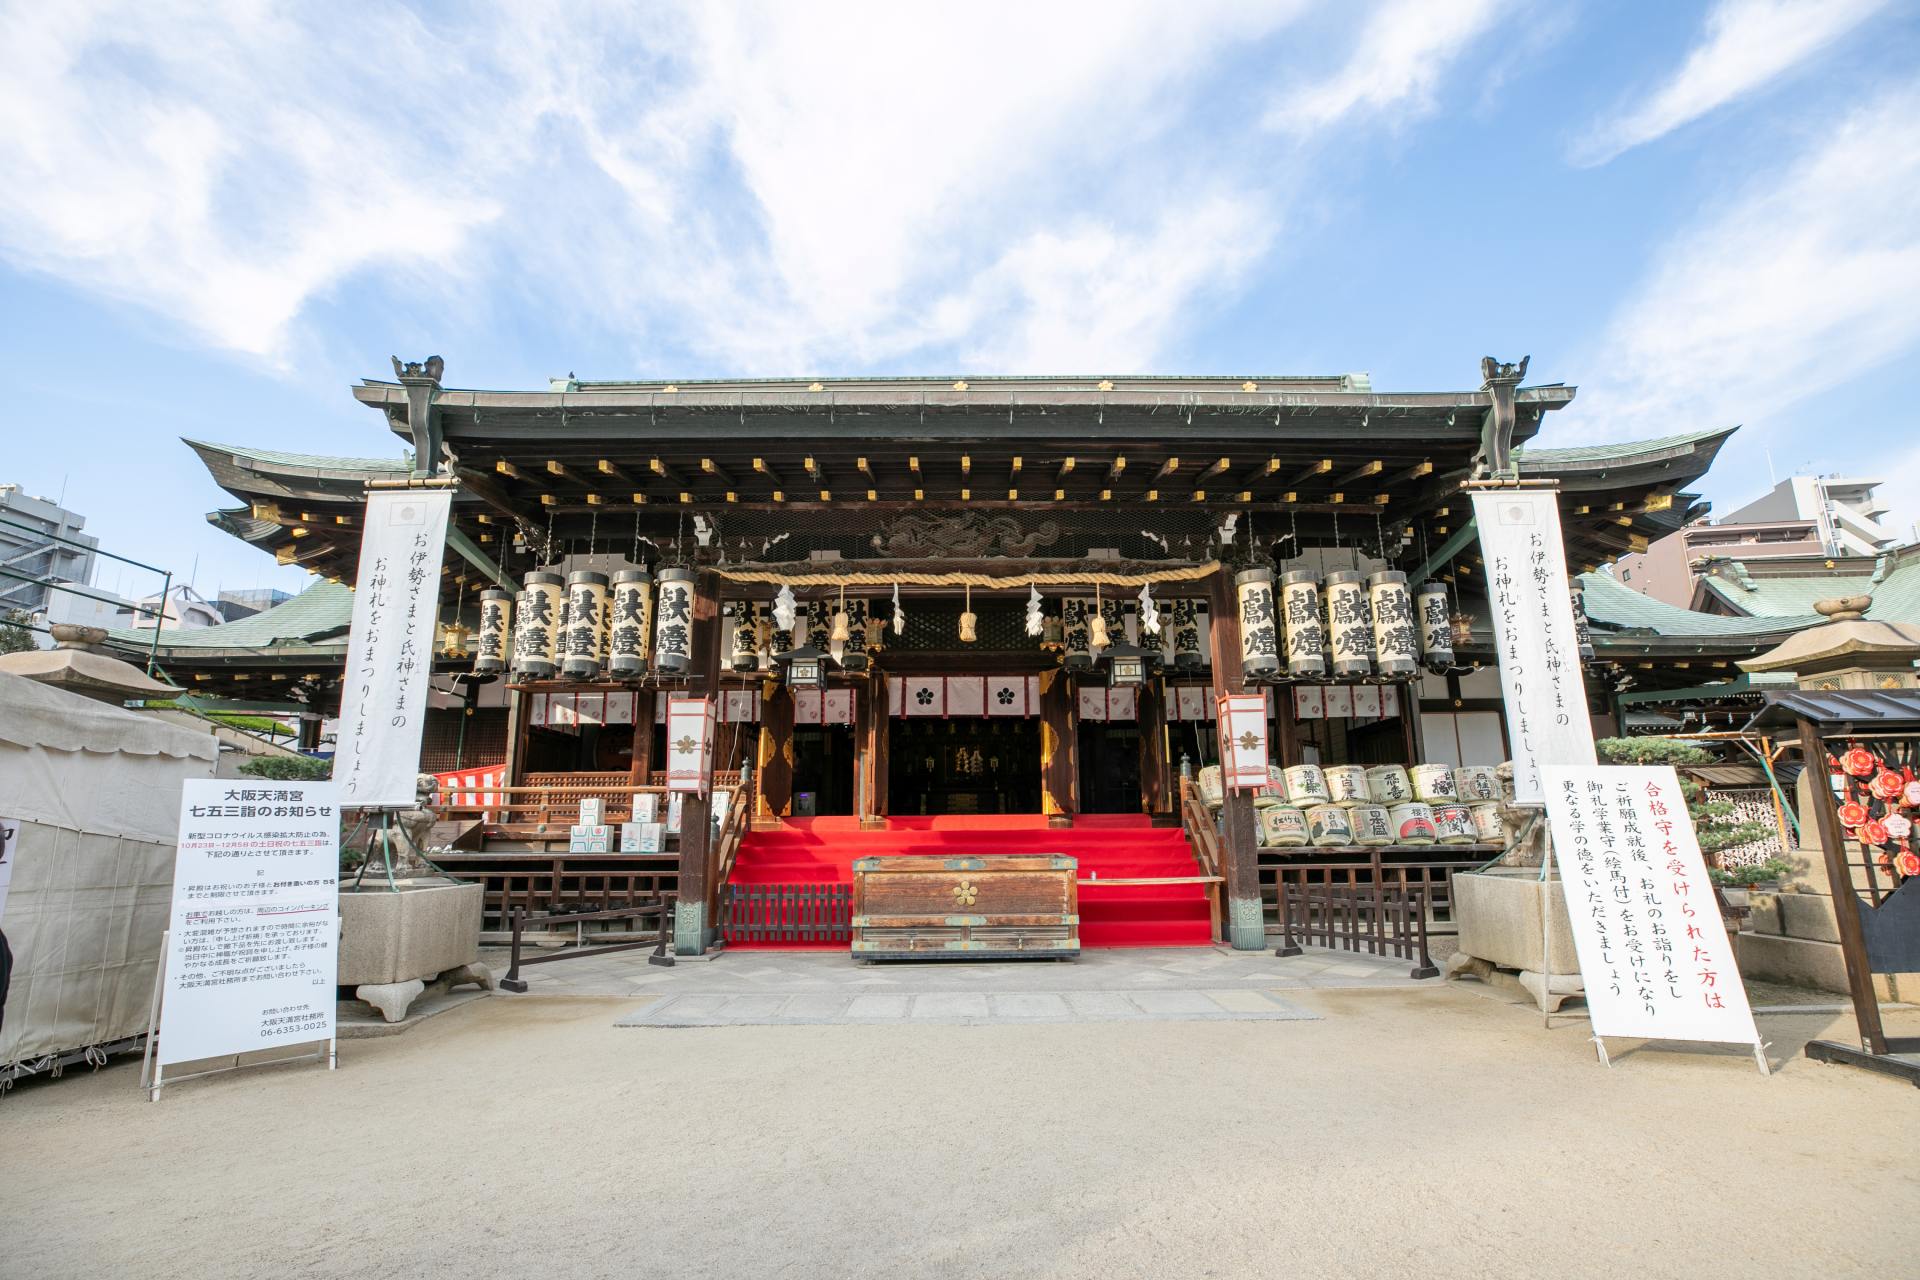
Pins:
<point x="960" y="385"/>
<point x="1249" y="385"/>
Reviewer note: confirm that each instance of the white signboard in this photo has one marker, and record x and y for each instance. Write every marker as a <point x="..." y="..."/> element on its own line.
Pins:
<point x="1654" y="954"/>
<point x="253" y="952"/>
<point x="1546" y="698"/>
<point x="396" y="606"/>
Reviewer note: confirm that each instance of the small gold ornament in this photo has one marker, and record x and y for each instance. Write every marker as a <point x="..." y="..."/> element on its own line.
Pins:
<point x="965" y="893"/>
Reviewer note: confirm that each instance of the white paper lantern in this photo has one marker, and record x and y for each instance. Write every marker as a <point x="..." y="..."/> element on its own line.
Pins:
<point x="632" y="605"/>
<point x="1436" y="632"/>
<point x="536" y="633"/>
<point x="496" y="629"/>
<point x="1259" y="622"/>
<point x="673" y="622"/>
<point x="1350" y="629"/>
<point x="586" y="624"/>
<point x="1306" y="636"/>
<point x="1396" y="637"/>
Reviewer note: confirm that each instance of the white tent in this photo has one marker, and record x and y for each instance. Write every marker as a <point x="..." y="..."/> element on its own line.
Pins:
<point x="93" y="792"/>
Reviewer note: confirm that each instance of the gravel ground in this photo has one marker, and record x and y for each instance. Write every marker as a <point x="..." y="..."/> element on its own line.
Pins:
<point x="1434" y="1132"/>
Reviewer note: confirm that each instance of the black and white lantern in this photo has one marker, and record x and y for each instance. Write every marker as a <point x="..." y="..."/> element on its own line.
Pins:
<point x="744" y="652"/>
<point x="673" y="622"/>
<point x="1186" y="636"/>
<point x="1436" y="632"/>
<point x="1073" y="614"/>
<point x="496" y="629"/>
<point x="1126" y="665"/>
<point x="1349" y="623"/>
<point x="1259" y="623"/>
<point x="1305" y="632"/>
<point x="536" y="633"/>
<point x="586" y="624"/>
<point x="627" y="634"/>
<point x="1396" y="638"/>
<point x="1582" y="629"/>
<point x="806" y="667"/>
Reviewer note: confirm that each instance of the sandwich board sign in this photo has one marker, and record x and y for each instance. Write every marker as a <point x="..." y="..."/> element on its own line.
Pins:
<point x="1654" y="954"/>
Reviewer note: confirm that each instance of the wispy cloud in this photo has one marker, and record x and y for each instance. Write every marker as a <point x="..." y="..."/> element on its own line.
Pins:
<point x="1802" y="281"/>
<point x="1399" y="57"/>
<point x="1747" y="45"/>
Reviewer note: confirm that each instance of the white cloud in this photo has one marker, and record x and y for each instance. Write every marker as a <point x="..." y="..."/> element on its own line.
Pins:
<point x="1747" y="44"/>
<point x="1801" y="282"/>
<point x="1402" y="52"/>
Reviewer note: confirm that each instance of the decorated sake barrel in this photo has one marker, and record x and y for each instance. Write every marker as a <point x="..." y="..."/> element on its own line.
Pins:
<point x="536" y="633"/>
<point x="1328" y="826"/>
<point x="586" y="624"/>
<point x="1347" y="784"/>
<point x="1412" y="823"/>
<point x="1284" y="827"/>
<point x="1372" y="824"/>
<point x="1434" y="782"/>
<point x="1388" y="784"/>
<point x="627" y="635"/>
<point x="743" y="651"/>
<point x="1396" y="637"/>
<point x="1211" y="791"/>
<point x="1186" y="635"/>
<point x="1474" y="783"/>
<point x="1305" y="636"/>
<point x="1436" y="626"/>
<point x="1488" y="827"/>
<point x="673" y="622"/>
<point x="1259" y="623"/>
<point x="1275" y="792"/>
<point x="1306" y="785"/>
<point x="492" y="646"/>
<point x="1453" y="824"/>
<point x="1349" y="624"/>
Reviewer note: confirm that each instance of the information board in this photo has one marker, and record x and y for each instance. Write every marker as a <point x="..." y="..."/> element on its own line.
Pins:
<point x="1540" y="677"/>
<point x="253" y="947"/>
<point x="1654" y="954"/>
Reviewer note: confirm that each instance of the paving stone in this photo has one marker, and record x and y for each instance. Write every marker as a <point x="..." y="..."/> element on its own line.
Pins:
<point x="1101" y="1004"/>
<point x="1029" y="1004"/>
<point x="1165" y="1002"/>
<point x="950" y="1004"/>
<point x="811" y="1004"/>
<point x="877" y="1006"/>
<point x="1243" y="1001"/>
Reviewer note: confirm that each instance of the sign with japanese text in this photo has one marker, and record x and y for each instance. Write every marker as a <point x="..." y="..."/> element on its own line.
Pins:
<point x="253" y="953"/>
<point x="1654" y="955"/>
<point x="690" y="740"/>
<point x="396" y="607"/>
<point x="1540" y="678"/>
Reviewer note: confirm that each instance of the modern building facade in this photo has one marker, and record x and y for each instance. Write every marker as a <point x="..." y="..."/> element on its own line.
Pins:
<point x="40" y="541"/>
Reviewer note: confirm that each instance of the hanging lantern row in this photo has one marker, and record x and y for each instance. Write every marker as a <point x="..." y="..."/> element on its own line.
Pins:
<point x="1360" y="626"/>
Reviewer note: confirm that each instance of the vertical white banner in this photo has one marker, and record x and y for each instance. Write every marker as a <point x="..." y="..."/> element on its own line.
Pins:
<point x="253" y="952"/>
<point x="1540" y="679"/>
<point x="1653" y="952"/>
<point x="396" y="607"/>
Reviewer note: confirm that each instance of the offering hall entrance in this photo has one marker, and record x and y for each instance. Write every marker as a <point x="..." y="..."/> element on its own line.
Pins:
<point x="964" y="765"/>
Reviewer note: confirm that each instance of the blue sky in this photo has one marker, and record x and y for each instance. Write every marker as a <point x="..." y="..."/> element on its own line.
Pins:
<point x="215" y="217"/>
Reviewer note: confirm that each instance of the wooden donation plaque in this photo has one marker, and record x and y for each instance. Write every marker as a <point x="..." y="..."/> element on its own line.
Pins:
<point x="965" y="907"/>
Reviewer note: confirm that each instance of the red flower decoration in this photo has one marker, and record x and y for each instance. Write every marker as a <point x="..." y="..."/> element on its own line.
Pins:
<point x="1874" y="832"/>
<point x="1859" y="762"/>
<point x="1852" y="813"/>
<point x="1908" y="863"/>
<point x="1887" y="785"/>
<point x="1912" y="793"/>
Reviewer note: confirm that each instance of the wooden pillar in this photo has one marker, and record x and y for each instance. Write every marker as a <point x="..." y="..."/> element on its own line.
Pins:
<point x="694" y="915"/>
<point x="1059" y="749"/>
<point x="1409" y="693"/>
<point x="1846" y="899"/>
<point x="774" y="756"/>
<point x="1156" y="771"/>
<point x="870" y="724"/>
<point x="517" y="711"/>
<point x="1246" y="925"/>
<point x="1286" y="728"/>
<point x="640" y="770"/>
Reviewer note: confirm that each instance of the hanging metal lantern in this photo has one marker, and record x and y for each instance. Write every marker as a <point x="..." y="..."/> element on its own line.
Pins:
<point x="1582" y="628"/>
<point x="1259" y="623"/>
<point x="1053" y="634"/>
<point x="1436" y="636"/>
<point x="629" y="630"/>
<point x="586" y="624"/>
<point x="805" y="667"/>
<point x="673" y="622"/>
<point x="1305" y="633"/>
<point x="490" y="653"/>
<point x="453" y="639"/>
<point x="1187" y="654"/>
<point x="873" y="627"/>
<point x="1396" y="638"/>
<point x="536" y="633"/>
<point x="1348" y="626"/>
<point x="745" y="652"/>
<point x="1079" y="648"/>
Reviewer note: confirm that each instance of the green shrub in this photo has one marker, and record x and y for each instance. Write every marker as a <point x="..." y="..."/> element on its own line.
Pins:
<point x="289" y="768"/>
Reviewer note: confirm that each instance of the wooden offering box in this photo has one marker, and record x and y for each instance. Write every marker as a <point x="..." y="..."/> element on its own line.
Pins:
<point x="966" y="907"/>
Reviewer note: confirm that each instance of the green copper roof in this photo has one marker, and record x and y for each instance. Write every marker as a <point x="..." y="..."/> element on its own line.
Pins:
<point x="1896" y="596"/>
<point x="317" y="617"/>
<point x="310" y="461"/>
<point x="1622" y="451"/>
<point x="1610" y="604"/>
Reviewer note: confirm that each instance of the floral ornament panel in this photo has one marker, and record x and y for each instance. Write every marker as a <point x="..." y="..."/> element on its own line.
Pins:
<point x="1879" y="798"/>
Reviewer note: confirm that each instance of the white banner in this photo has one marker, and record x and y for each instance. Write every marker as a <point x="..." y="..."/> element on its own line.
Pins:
<point x="925" y="696"/>
<point x="253" y="955"/>
<point x="396" y="606"/>
<point x="836" y="706"/>
<point x="1006" y="695"/>
<point x="1546" y="699"/>
<point x="1653" y="952"/>
<point x="1093" y="704"/>
<point x="966" y="696"/>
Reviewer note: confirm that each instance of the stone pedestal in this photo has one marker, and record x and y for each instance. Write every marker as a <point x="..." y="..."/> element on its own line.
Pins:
<point x="1503" y="914"/>
<point x="395" y="942"/>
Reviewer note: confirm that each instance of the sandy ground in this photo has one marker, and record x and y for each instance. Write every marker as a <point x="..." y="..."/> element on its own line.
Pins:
<point x="1438" y="1132"/>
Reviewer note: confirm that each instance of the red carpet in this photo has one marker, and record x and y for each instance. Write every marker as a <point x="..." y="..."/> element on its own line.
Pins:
<point x="822" y="850"/>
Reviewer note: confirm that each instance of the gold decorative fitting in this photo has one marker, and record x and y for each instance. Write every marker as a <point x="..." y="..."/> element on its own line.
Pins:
<point x="815" y="386"/>
<point x="1249" y="740"/>
<point x="965" y="894"/>
<point x="685" y="744"/>
<point x="669" y="388"/>
<point x="960" y="385"/>
<point x="1249" y="386"/>
<point x="1106" y="384"/>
